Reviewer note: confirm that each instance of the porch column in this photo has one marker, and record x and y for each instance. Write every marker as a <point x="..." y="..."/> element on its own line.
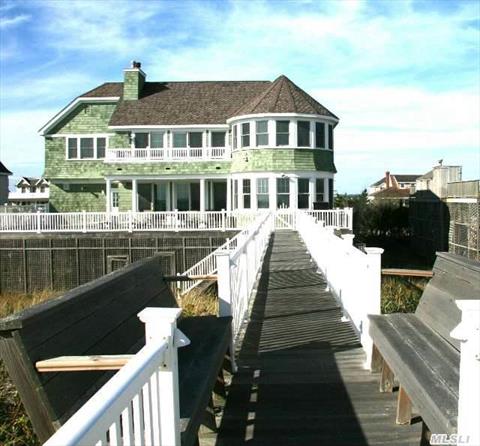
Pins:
<point x="108" y="196"/>
<point x="202" y="194"/>
<point x="272" y="189"/>
<point x="253" y="194"/>
<point x="134" y="195"/>
<point x="311" y="192"/>
<point x="229" y="194"/>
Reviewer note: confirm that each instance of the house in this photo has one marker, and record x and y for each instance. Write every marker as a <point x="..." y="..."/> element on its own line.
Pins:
<point x="32" y="192"/>
<point x="394" y="182"/>
<point x="4" y="174"/>
<point x="138" y="145"/>
<point x="437" y="179"/>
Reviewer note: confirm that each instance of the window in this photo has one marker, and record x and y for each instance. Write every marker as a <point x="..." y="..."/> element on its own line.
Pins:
<point x="115" y="199"/>
<point x="320" y="135"/>
<point x="86" y="148"/>
<point x="42" y="189"/>
<point x="179" y="139"/>
<point x="72" y="148"/>
<point x="283" y="192"/>
<point x="246" y="194"/>
<point x="262" y="133"/>
<point x="218" y="139"/>
<point x="156" y="140"/>
<point x="235" y="194"/>
<point x="183" y="196"/>
<point x="33" y="189"/>
<point x="24" y="189"/>
<point x="246" y="134"/>
<point x="303" y="133"/>
<point x="195" y="139"/>
<point x="141" y="140"/>
<point x="235" y="137"/>
<point x="282" y="133"/>
<point x="330" y="136"/>
<point x="262" y="193"/>
<point x="320" y="190"/>
<point x="101" y="146"/>
<point x="303" y="193"/>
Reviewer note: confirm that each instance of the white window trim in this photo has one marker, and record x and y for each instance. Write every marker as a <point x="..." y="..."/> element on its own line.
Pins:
<point x="95" y="136"/>
<point x="263" y="133"/>
<point x="250" y="125"/>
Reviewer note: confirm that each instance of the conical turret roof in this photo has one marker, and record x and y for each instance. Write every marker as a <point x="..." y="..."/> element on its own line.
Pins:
<point x="283" y="96"/>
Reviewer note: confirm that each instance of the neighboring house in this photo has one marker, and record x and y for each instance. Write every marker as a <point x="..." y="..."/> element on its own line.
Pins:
<point x="4" y="174"/>
<point x="392" y="181"/>
<point x="190" y="146"/>
<point x="32" y="192"/>
<point x="437" y="179"/>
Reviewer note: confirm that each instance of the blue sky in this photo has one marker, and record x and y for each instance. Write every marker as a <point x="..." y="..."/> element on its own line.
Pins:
<point x="403" y="76"/>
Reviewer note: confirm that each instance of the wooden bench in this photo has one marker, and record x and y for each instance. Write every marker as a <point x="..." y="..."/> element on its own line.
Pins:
<point x="417" y="351"/>
<point x="100" y="318"/>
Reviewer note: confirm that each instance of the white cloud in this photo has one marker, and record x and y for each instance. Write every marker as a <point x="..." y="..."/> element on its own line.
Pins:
<point x="9" y="22"/>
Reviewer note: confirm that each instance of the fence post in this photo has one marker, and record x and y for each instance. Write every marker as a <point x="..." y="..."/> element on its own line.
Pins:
<point x="225" y="296"/>
<point x="39" y="228"/>
<point x="468" y="332"/>
<point x="371" y="304"/>
<point x="223" y="220"/>
<point x="161" y="324"/>
<point x="84" y="221"/>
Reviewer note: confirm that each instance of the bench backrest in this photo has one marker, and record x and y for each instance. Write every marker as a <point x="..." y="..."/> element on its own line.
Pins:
<point x="96" y="318"/>
<point x="454" y="277"/>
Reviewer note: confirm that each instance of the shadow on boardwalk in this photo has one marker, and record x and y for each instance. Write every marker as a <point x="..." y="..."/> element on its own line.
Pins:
<point x="300" y="378"/>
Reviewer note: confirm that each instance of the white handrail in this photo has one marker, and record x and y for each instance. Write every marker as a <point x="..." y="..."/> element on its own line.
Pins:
<point x="139" y="404"/>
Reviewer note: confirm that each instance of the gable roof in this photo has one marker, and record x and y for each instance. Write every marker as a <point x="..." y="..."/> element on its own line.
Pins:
<point x="183" y="103"/>
<point x="4" y="170"/>
<point x="283" y="96"/>
<point x="400" y="178"/>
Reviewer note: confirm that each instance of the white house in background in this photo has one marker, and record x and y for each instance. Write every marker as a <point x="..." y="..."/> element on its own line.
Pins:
<point x="393" y="181"/>
<point x="437" y="179"/>
<point x="34" y="192"/>
<point x="4" y="174"/>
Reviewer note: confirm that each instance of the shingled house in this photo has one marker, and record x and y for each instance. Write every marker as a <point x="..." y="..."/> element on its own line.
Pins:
<point x="138" y="145"/>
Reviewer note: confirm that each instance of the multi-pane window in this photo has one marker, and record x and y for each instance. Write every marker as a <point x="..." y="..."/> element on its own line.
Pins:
<point x="262" y="193"/>
<point x="235" y="137"/>
<point x="330" y="136"/>
<point x="282" y="133"/>
<point x="283" y="192"/>
<point x="319" y="189"/>
<point x="187" y="139"/>
<point x="218" y="139"/>
<point x="246" y="194"/>
<point x="303" y="133"/>
<point x="303" y="193"/>
<point x="246" y="134"/>
<point x="320" y="135"/>
<point x="152" y="140"/>
<point x="86" y="147"/>
<point x="262" y="133"/>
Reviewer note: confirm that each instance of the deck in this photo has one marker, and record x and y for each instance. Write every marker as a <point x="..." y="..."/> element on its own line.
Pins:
<point x="301" y="379"/>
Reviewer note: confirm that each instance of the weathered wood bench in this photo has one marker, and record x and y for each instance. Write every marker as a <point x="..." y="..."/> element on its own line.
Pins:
<point x="100" y="318"/>
<point x="417" y="350"/>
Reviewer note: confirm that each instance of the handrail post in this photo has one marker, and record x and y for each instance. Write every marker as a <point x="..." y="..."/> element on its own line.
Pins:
<point x="468" y="332"/>
<point x="372" y="299"/>
<point x="160" y="325"/>
<point x="225" y="296"/>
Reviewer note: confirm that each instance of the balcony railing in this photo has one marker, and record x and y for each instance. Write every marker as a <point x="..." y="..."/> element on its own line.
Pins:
<point x="170" y="154"/>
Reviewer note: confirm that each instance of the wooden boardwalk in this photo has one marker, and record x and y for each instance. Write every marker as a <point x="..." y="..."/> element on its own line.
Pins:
<point x="301" y="379"/>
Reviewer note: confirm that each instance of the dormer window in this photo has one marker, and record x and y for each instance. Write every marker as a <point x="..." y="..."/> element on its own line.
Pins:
<point x="262" y="133"/>
<point x="246" y="134"/>
<point x="282" y="133"/>
<point x="303" y="133"/>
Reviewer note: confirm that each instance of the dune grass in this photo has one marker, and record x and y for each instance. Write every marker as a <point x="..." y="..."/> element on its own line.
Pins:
<point x="401" y="294"/>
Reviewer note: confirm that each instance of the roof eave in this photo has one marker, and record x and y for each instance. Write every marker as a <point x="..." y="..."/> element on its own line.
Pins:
<point x="334" y="120"/>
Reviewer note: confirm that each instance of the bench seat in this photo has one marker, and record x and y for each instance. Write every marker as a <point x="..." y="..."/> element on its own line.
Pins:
<point x="198" y="367"/>
<point x="426" y="366"/>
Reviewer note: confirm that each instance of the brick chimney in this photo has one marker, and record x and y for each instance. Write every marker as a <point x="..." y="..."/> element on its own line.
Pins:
<point x="388" y="180"/>
<point x="133" y="80"/>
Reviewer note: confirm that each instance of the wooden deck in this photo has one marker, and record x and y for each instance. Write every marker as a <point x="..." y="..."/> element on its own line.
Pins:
<point x="301" y="379"/>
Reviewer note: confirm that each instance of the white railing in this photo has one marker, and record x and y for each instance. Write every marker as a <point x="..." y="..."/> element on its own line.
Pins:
<point x="208" y="265"/>
<point x="353" y="276"/>
<point x="238" y="269"/>
<point x="139" y="404"/>
<point x="162" y="154"/>
<point x="43" y="222"/>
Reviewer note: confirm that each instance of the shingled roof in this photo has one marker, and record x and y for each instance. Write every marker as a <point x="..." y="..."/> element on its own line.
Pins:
<point x="283" y="96"/>
<point x="400" y="178"/>
<point x="183" y="103"/>
<point x="392" y="193"/>
<point x="4" y="170"/>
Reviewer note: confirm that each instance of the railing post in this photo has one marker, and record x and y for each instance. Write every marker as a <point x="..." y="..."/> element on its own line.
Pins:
<point x="160" y="325"/>
<point x="468" y="332"/>
<point x="176" y="219"/>
<point x="223" y="220"/>
<point x="84" y="221"/>
<point x="372" y="299"/>
<point x="225" y="296"/>
<point x="130" y="221"/>
<point x="39" y="228"/>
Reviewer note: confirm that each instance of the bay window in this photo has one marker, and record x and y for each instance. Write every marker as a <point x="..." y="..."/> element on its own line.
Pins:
<point x="262" y="193"/>
<point x="303" y="133"/>
<point x="246" y="194"/>
<point x="303" y="193"/>
<point x="262" y="133"/>
<point x="320" y="135"/>
<point x="246" y="134"/>
<point x="283" y="192"/>
<point x="282" y="133"/>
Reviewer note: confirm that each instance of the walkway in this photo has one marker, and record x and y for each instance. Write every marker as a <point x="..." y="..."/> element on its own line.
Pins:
<point x="300" y="378"/>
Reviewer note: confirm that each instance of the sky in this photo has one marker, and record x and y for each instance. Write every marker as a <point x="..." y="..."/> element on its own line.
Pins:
<point x="403" y="76"/>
